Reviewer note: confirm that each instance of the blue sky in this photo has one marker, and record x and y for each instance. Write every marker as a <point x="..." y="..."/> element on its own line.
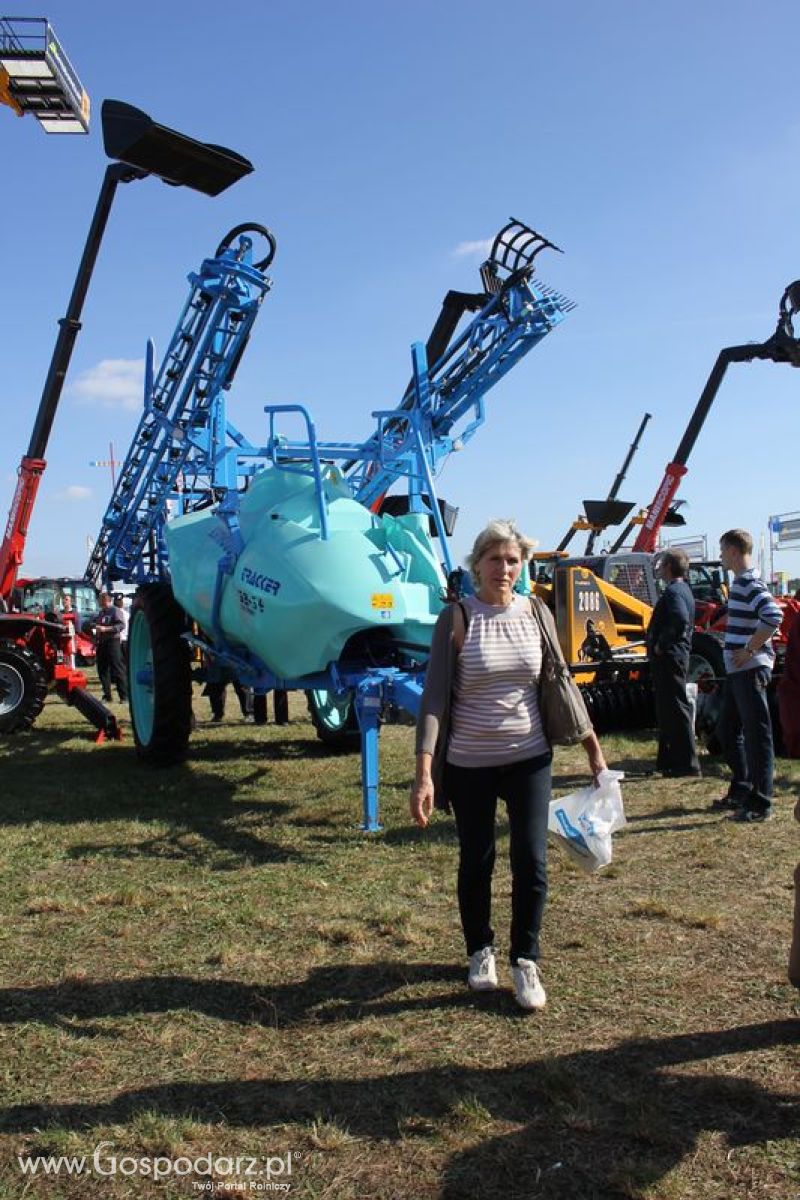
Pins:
<point x="657" y="145"/>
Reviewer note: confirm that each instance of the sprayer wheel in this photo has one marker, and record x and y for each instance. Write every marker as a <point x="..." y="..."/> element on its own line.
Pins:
<point x="334" y="718"/>
<point x="159" y="676"/>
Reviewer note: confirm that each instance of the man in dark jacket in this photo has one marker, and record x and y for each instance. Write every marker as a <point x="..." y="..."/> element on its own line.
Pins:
<point x="108" y="625"/>
<point x="669" y="641"/>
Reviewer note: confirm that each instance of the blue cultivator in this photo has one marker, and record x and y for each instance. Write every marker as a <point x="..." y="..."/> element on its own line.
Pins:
<point x="289" y="565"/>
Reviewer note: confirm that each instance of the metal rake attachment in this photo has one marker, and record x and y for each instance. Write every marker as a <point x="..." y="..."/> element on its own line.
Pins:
<point x="789" y="307"/>
<point x="514" y="250"/>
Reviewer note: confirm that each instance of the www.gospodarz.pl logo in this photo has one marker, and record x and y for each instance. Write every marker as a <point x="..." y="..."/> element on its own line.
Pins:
<point x="217" y="1172"/>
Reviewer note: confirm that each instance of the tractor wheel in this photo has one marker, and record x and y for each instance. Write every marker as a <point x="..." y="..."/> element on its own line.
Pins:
<point x="334" y="718"/>
<point x="159" y="676"/>
<point x="706" y="669"/>
<point x="23" y="687"/>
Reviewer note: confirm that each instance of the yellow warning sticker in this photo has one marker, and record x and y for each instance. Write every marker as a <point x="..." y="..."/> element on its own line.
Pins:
<point x="382" y="600"/>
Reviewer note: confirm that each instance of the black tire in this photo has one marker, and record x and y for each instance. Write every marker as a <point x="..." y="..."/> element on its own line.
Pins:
<point x="335" y="721"/>
<point x="23" y="687"/>
<point x="707" y="670"/>
<point x="159" y="676"/>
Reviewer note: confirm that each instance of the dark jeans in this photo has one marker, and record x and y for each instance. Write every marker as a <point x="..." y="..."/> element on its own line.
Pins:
<point x="110" y="667"/>
<point x="677" y="753"/>
<point x="216" y="696"/>
<point x="474" y="791"/>
<point x="745" y="731"/>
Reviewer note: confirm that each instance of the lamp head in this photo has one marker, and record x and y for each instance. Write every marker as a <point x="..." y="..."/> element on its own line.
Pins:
<point x="135" y="139"/>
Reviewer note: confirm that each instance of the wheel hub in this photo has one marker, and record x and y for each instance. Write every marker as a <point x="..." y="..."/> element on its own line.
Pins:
<point x="12" y="688"/>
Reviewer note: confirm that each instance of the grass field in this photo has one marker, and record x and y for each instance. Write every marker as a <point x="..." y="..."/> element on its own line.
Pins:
<point x="214" y="960"/>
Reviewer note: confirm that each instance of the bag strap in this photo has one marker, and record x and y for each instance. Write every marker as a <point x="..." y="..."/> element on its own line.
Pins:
<point x="551" y="643"/>
<point x="465" y="619"/>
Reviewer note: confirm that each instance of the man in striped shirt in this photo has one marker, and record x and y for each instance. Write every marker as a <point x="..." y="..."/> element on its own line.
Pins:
<point x="745" y="727"/>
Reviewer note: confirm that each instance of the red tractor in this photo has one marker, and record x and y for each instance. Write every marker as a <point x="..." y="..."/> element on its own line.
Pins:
<point x="51" y="594"/>
<point x="35" y="649"/>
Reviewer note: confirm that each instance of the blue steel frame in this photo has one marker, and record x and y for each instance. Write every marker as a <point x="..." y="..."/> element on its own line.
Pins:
<point x="184" y="438"/>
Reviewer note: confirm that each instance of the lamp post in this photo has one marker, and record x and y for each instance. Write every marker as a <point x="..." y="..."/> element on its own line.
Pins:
<point x="141" y="147"/>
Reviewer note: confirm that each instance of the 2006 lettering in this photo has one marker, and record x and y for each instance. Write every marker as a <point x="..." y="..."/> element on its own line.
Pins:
<point x="588" y="602"/>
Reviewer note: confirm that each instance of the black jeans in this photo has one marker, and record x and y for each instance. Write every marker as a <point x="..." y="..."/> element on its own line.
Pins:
<point x="677" y="753"/>
<point x="474" y="791"/>
<point x="110" y="667"/>
<point x="745" y="731"/>
<point x="216" y="695"/>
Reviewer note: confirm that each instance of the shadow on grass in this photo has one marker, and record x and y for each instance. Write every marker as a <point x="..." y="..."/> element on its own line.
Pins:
<point x="607" y="1122"/>
<point x="787" y="783"/>
<point x="682" y="827"/>
<point x="671" y="810"/>
<point x="45" y="741"/>
<point x="250" y="746"/>
<point x="113" y="785"/>
<point x="330" y="993"/>
<point x="655" y="822"/>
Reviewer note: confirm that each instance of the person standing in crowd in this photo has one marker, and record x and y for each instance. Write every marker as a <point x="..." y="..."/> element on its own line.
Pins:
<point x="745" y="727"/>
<point x="479" y="738"/>
<point x="70" y="618"/>
<point x="108" y="625"/>
<point x="216" y="690"/>
<point x="119" y="603"/>
<point x="669" y="644"/>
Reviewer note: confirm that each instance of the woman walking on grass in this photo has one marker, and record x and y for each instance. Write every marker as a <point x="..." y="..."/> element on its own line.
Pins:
<point x="479" y="738"/>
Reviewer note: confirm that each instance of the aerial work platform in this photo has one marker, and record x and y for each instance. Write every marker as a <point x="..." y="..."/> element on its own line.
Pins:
<point x="37" y="77"/>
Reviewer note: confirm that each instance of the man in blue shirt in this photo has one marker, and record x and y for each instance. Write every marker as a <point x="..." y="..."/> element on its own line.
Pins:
<point x="745" y="727"/>
<point x="669" y="643"/>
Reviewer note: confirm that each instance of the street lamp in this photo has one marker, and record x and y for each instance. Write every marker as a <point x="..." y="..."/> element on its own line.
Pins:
<point x="141" y="147"/>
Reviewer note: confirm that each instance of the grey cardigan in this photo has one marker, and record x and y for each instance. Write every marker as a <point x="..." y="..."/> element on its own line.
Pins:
<point x="433" y="722"/>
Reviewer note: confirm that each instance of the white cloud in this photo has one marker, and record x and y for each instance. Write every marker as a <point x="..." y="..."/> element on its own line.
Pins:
<point x="473" y="249"/>
<point x="112" y="383"/>
<point x="74" y="493"/>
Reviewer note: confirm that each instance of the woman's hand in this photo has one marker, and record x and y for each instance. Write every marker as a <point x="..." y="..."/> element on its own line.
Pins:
<point x="421" y="798"/>
<point x="421" y="801"/>
<point x="594" y="753"/>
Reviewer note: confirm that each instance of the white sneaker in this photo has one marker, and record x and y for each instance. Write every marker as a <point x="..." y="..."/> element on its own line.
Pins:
<point x="482" y="970"/>
<point x="528" y="990"/>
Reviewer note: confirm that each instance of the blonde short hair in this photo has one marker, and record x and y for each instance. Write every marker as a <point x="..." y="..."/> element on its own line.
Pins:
<point x="498" y="530"/>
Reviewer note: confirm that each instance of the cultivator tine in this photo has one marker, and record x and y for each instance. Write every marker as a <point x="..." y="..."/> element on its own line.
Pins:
<point x="513" y="250"/>
<point x="619" y="704"/>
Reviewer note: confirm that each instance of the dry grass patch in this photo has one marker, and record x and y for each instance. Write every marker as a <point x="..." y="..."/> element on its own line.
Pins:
<point x="215" y="958"/>
<point x="654" y="908"/>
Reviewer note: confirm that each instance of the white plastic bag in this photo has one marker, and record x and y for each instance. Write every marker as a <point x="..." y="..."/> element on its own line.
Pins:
<point x="583" y="822"/>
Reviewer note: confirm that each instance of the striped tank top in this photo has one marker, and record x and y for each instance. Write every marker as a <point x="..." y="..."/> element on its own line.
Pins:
<point x="494" y="718"/>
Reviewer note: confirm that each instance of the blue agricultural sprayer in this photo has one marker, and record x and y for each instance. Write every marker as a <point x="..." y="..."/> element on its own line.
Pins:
<point x="293" y="564"/>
